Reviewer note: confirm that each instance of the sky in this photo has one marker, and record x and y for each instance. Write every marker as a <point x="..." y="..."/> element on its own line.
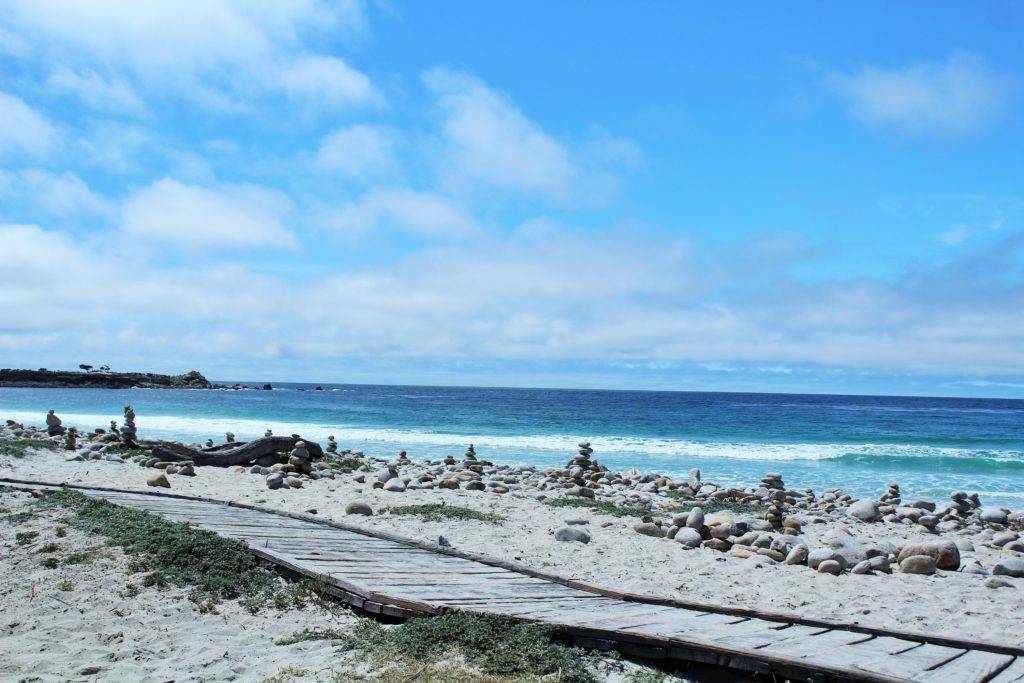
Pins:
<point x="814" y="197"/>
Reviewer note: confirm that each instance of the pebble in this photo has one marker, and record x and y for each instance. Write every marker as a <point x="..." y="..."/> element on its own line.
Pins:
<point x="918" y="564"/>
<point x="275" y="480"/>
<point x="798" y="555"/>
<point x="394" y="484"/>
<point x="649" y="529"/>
<point x="572" y="533"/>
<point x="577" y="520"/>
<point x="995" y="582"/>
<point x="864" y="510"/>
<point x="358" y="507"/>
<point x="688" y="538"/>
<point x="830" y="567"/>
<point x="158" y="480"/>
<point x="1009" y="566"/>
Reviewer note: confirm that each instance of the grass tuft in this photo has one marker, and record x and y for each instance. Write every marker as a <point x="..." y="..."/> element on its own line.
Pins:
<point x="439" y="512"/>
<point x="217" y="567"/>
<point x="496" y="646"/>
<point x="16" y="448"/>
<point x="25" y="537"/>
<point x="603" y="507"/>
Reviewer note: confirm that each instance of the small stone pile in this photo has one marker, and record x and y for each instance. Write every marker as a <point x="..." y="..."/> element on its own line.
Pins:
<point x="403" y="458"/>
<point x="128" y="431"/>
<point x="964" y="504"/>
<point x="332" y="445"/>
<point x="209" y="443"/>
<point x="53" y="427"/>
<point x="71" y="440"/>
<point x="776" y="498"/>
<point x="890" y="500"/>
<point x="298" y="459"/>
<point x="268" y="433"/>
<point x="471" y="453"/>
<point x="230" y="437"/>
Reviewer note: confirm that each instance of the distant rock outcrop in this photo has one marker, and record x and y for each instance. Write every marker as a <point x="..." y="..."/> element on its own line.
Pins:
<point x="102" y="380"/>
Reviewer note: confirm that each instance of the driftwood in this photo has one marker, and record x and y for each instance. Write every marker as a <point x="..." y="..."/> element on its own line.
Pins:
<point x="241" y="454"/>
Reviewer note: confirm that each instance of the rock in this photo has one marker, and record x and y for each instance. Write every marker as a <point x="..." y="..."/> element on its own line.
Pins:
<point x="448" y="484"/>
<point x="864" y="510"/>
<point x="830" y="567"/>
<point x="964" y="545"/>
<point x="395" y="484"/>
<point x="819" y="555"/>
<point x="918" y="564"/>
<point x="294" y="482"/>
<point x="688" y="538"/>
<point x="945" y="553"/>
<point x="649" y="529"/>
<point x="275" y="480"/>
<point x="581" y="491"/>
<point x="798" y="555"/>
<point x="158" y="480"/>
<point x="475" y="486"/>
<point x="572" y="533"/>
<point x="576" y="521"/>
<point x="74" y="457"/>
<point x="358" y="507"/>
<point x="995" y="582"/>
<point x="1009" y="566"/>
<point x="695" y="520"/>
<point x="993" y="516"/>
<point x="862" y="567"/>
<point x="880" y="563"/>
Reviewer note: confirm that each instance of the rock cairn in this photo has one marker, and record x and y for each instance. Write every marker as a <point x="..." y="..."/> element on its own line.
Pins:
<point x="209" y="443"/>
<point x="128" y="431"/>
<point x="403" y="458"/>
<point x="268" y="433"/>
<point x="890" y="500"/>
<point x="230" y="437"/>
<point x="332" y="445"/>
<point x="71" y="439"/>
<point x="471" y="454"/>
<point x="776" y="498"/>
<point x="113" y="427"/>
<point x="53" y="427"/>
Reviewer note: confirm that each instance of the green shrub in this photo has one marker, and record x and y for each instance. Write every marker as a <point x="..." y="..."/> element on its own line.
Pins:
<point x="16" y="448"/>
<point x="25" y="537"/>
<point x="439" y="512"/>
<point x="603" y="507"/>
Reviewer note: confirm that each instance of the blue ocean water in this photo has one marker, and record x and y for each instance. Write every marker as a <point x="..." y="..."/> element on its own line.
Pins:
<point x="931" y="446"/>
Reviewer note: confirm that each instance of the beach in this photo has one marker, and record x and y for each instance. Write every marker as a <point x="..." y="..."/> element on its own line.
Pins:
<point x="970" y="600"/>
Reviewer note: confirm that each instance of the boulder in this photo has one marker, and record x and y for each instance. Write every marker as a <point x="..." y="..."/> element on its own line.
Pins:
<point x="994" y="516"/>
<point x="358" y="507"/>
<point x="798" y="555"/>
<point x="649" y="529"/>
<point x="945" y="553"/>
<point x="864" y="510"/>
<point x="158" y="480"/>
<point x="918" y="564"/>
<point x="688" y="538"/>
<point x="572" y="533"/>
<point x="830" y="567"/>
<point x="394" y="484"/>
<point x="1009" y="566"/>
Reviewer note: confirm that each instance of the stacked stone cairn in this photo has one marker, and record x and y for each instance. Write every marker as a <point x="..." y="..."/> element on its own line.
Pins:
<point x="890" y="500"/>
<point x="53" y="426"/>
<point x="71" y="439"/>
<point x="403" y="458"/>
<point x="332" y="445"/>
<point x="128" y="431"/>
<point x="230" y="437"/>
<point x="268" y="433"/>
<point x="209" y="443"/>
<point x="776" y="498"/>
<point x="470" y="454"/>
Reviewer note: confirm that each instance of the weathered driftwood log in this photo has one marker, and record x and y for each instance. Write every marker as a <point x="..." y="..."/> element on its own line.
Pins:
<point x="223" y="446"/>
<point x="241" y="454"/>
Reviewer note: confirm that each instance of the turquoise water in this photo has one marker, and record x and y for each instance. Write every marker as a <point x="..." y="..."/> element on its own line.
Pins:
<point x="931" y="446"/>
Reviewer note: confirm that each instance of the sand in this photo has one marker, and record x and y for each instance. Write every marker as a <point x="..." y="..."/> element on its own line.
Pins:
<point x="948" y="603"/>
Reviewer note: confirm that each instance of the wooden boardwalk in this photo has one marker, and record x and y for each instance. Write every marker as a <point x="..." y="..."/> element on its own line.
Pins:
<point x="383" y="574"/>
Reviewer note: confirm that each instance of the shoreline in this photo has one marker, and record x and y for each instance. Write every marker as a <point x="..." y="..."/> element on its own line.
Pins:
<point x="639" y="533"/>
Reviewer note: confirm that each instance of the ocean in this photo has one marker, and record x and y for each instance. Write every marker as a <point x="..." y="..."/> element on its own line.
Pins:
<point x="930" y="446"/>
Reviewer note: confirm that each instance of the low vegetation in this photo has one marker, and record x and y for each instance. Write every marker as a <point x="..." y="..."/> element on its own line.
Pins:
<point x="496" y="648"/>
<point x="16" y="448"/>
<point x="216" y="567"/>
<point x="603" y="507"/>
<point x="440" y="512"/>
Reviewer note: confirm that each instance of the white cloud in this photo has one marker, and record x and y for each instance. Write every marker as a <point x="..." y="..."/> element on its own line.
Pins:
<point x="957" y="95"/>
<point x="327" y="81"/>
<point x="215" y="52"/>
<point x="424" y="213"/>
<point x="61" y="194"/>
<point x="97" y="92"/>
<point x="359" y="151"/>
<point x="490" y="141"/>
<point x="955" y="235"/>
<point x="23" y="129"/>
<point x="198" y="218"/>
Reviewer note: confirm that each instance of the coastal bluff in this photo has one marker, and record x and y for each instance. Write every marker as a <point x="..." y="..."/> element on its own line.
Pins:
<point x="102" y="379"/>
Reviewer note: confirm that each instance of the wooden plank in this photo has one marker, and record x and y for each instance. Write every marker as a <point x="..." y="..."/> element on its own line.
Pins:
<point x="774" y="633"/>
<point x="811" y="647"/>
<point x="974" y="666"/>
<point x="1012" y="673"/>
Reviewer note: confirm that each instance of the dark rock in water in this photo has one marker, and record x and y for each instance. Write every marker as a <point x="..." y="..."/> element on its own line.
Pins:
<point x="102" y="380"/>
<point x="267" y="387"/>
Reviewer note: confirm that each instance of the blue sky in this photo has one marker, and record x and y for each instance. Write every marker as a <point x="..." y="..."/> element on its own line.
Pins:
<point x="817" y="197"/>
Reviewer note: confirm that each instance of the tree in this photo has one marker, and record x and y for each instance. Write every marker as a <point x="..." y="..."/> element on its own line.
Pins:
<point x="85" y="367"/>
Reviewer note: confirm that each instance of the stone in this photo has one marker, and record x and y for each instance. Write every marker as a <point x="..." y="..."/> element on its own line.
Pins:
<point x="394" y="484"/>
<point x="862" y="567"/>
<point x="575" y="521"/>
<point x="294" y="482"/>
<point x="187" y="470"/>
<point x="945" y="553"/>
<point x="475" y="486"/>
<point x="358" y="507"/>
<point x="993" y="516"/>
<point x="275" y="480"/>
<point x="819" y="555"/>
<point x="649" y="529"/>
<point x="1009" y="566"/>
<point x="695" y="520"/>
<point x="572" y="533"/>
<point x="918" y="564"/>
<point x="451" y="484"/>
<point x="830" y="567"/>
<point x="996" y="582"/>
<point x="158" y="480"/>
<point x="864" y="510"/>
<point x="798" y="555"/>
<point x="688" y="538"/>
